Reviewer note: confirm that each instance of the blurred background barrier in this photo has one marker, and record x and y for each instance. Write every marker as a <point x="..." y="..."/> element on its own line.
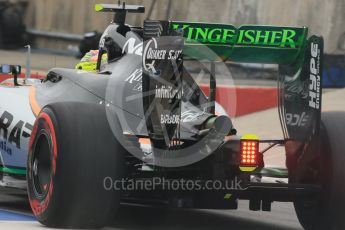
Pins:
<point x="334" y="71"/>
<point x="73" y="27"/>
<point x="12" y="26"/>
<point x="325" y="18"/>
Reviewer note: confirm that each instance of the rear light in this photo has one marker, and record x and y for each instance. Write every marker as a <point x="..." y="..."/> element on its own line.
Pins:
<point x="249" y="152"/>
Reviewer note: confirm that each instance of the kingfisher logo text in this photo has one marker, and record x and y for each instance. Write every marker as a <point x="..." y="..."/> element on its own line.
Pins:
<point x="280" y="37"/>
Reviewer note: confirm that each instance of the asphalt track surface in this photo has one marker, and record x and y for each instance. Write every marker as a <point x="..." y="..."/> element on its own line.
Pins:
<point x="134" y="217"/>
<point x="15" y="212"/>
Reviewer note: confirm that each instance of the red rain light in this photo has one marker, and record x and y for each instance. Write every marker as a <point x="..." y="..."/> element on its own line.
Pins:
<point x="249" y="153"/>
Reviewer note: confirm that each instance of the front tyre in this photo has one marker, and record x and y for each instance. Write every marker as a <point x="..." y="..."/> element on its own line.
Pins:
<point x="72" y="151"/>
<point x="328" y="211"/>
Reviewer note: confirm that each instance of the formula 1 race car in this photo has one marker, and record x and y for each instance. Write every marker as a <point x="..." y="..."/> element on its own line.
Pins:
<point x="140" y="130"/>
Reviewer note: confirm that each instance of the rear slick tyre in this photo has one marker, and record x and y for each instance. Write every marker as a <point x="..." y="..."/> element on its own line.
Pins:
<point x="72" y="151"/>
<point x="328" y="211"/>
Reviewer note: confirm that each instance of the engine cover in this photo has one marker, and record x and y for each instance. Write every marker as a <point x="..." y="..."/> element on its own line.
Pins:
<point x="162" y="82"/>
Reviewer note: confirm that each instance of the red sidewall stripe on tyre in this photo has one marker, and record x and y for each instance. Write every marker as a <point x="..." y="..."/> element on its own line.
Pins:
<point x="38" y="207"/>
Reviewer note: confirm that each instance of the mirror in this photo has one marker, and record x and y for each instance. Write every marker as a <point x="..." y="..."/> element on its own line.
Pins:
<point x="10" y="69"/>
<point x="5" y="69"/>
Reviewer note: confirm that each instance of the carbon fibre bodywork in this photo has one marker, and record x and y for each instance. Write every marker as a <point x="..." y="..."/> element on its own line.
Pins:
<point x="117" y="87"/>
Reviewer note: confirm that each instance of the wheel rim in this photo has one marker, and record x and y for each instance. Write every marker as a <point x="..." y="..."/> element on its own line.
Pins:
<point x="41" y="165"/>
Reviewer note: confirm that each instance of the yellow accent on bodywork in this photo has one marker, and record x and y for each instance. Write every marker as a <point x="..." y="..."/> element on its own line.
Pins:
<point x="89" y="61"/>
<point x="87" y="66"/>
<point x="247" y="169"/>
<point x="227" y="196"/>
<point x="252" y="137"/>
<point x="98" y="7"/>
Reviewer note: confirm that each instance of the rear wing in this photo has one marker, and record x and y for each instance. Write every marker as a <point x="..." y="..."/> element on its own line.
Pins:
<point x="300" y="61"/>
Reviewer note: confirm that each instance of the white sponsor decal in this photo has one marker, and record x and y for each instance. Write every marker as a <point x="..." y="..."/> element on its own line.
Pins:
<point x="138" y="87"/>
<point x="190" y="115"/>
<point x="314" y="87"/>
<point x="5" y="148"/>
<point x="167" y="92"/>
<point x="299" y="120"/>
<point x="156" y="54"/>
<point x="136" y="76"/>
<point x="131" y="48"/>
<point x="174" y="54"/>
<point x="149" y="66"/>
<point x="152" y="53"/>
<point x="295" y="89"/>
<point x="102" y="43"/>
<point x="170" y="119"/>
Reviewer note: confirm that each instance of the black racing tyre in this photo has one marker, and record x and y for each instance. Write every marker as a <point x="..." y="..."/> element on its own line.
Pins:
<point x="328" y="211"/>
<point x="72" y="151"/>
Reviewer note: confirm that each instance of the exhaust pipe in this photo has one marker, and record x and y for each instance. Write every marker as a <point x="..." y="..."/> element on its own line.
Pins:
<point x="220" y="124"/>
